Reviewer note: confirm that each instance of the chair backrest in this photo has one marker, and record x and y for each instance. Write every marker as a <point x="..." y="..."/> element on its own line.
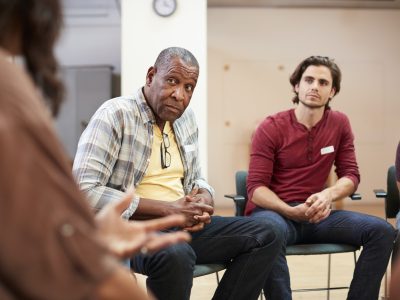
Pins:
<point x="241" y="190"/>
<point x="392" y="198"/>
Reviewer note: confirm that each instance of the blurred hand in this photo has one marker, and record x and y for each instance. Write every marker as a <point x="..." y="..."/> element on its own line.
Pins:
<point x="125" y="238"/>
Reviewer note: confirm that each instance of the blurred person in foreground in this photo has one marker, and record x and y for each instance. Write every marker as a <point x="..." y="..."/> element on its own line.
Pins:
<point x="52" y="246"/>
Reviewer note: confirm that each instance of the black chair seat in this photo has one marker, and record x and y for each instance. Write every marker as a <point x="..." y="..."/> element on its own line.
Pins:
<point x="201" y="270"/>
<point x="312" y="249"/>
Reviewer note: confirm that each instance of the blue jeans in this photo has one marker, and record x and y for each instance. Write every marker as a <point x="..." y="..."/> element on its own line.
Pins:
<point x="375" y="235"/>
<point x="247" y="246"/>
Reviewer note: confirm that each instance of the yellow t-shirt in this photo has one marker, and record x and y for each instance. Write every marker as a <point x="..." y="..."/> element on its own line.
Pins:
<point x="158" y="183"/>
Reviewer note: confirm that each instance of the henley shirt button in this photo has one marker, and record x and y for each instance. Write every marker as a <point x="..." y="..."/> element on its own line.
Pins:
<point x="67" y="230"/>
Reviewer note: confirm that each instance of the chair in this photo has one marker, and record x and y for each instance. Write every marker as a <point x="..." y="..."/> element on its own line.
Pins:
<point x="240" y="200"/>
<point x="201" y="270"/>
<point x="392" y="203"/>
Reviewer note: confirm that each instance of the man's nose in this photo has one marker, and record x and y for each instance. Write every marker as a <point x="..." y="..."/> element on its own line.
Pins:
<point x="315" y="85"/>
<point x="179" y="93"/>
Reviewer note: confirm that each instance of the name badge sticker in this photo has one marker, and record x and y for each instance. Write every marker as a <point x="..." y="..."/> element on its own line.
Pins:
<point x="327" y="150"/>
<point x="189" y="148"/>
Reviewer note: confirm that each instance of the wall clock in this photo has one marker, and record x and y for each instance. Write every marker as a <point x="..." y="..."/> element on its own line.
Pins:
<point x="164" y="8"/>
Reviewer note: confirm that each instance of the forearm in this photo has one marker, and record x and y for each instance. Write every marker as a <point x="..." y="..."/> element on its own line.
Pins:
<point x="152" y="209"/>
<point x="202" y="185"/>
<point x="344" y="187"/>
<point x="266" y="198"/>
<point x="187" y="206"/>
<point x="207" y="197"/>
<point x="120" y="285"/>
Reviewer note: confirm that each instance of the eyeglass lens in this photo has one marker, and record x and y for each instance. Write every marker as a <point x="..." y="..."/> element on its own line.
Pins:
<point x="165" y="155"/>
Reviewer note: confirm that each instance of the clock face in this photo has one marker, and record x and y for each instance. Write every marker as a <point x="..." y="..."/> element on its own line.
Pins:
<point x="164" y="8"/>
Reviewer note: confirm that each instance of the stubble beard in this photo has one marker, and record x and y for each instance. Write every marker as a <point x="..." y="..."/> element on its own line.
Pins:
<point x="313" y="105"/>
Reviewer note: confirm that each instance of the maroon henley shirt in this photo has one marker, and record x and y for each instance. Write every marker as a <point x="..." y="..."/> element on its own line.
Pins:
<point x="294" y="162"/>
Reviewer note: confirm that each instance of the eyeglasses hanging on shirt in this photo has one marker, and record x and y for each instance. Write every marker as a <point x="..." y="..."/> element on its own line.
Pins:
<point x="165" y="155"/>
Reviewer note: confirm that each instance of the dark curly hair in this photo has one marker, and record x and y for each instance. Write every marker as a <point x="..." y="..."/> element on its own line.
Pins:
<point x="39" y="23"/>
<point x="316" y="61"/>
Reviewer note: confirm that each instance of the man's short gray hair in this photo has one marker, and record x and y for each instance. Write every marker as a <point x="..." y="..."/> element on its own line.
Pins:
<point x="170" y="53"/>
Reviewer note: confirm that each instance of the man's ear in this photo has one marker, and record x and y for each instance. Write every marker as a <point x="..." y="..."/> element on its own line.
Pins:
<point x="150" y="75"/>
<point x="333" y="92"/>
<point x="296" y="88"/>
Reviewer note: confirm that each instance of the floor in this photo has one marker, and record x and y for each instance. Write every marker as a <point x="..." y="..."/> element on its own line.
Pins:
<point x="306" y="271"/>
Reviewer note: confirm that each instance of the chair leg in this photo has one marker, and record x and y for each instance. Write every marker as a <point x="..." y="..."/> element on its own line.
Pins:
<point x="329" y="278"/>
<point x="217" y="275"/>
<point x="386" y="285"/>
<point x="355" y="260"/>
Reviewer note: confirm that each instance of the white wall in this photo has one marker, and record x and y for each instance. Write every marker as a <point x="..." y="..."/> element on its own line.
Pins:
<point x="145" y="34"/>
<point x="251" y="54"/>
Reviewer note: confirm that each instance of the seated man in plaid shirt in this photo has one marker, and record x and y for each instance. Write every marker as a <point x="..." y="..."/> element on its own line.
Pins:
<point x="150" y="141"/>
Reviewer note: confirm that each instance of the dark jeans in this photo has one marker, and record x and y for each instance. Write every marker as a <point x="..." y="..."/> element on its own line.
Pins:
<point x="375" y="235"/>
<point x="248" y="247"/>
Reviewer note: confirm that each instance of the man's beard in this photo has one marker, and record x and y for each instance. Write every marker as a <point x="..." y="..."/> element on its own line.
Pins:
<point x="314" y="105"/>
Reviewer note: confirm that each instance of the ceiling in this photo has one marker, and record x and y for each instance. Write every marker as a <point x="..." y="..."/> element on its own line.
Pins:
<point x="92" y="12"/>
<point x="307" y="3"/>
<point x="112" y="8"/>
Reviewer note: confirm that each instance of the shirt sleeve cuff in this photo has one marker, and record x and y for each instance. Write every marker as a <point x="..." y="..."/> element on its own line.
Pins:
<point x="132" y="208"/>
<point x="202" y="184"/>
<point x="355" y="180"/>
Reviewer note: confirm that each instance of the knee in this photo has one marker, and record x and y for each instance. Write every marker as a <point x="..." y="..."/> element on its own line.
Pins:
<point x="272" y="227"/>
<point x="178" y="260"/>
<point x="382" y="232"/>
<point x="271" y="219"/>
<point x="178" y="254"/>
<point x="270" y="232"/>
<point x="390" y="232"/>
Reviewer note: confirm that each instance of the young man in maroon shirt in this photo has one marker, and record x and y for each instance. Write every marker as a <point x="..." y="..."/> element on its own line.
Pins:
<point x="292" y="154"/>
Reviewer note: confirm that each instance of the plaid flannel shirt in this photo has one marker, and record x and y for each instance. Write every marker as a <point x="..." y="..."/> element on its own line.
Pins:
<point x="114" y="150"/>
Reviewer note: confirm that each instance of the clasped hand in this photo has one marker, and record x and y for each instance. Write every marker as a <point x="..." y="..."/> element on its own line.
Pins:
<point x="316" y="208"/>
<point x="195" y="210"/>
